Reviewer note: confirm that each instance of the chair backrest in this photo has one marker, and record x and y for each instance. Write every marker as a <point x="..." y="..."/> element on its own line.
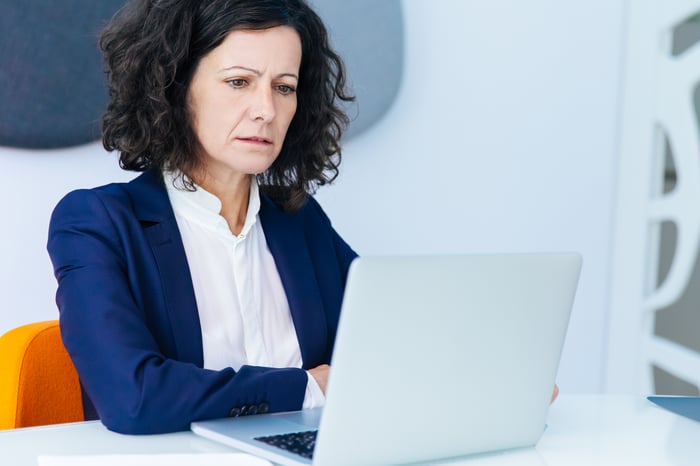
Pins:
<point x="38" y="382"/>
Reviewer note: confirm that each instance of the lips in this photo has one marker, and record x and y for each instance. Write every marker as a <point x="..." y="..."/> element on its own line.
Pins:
<point x="256" y="140"/>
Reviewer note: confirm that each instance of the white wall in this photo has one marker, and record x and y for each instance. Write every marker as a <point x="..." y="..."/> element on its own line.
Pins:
<point x="32" y="184"/>
<point x="503" y="138"/>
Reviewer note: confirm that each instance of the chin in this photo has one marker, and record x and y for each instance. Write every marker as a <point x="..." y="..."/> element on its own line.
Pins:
<point x="259" y="168"/>
<point x="256" y="169"/>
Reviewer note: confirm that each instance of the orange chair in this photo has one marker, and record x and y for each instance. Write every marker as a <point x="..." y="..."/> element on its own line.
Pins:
<point x="38" y="382"/>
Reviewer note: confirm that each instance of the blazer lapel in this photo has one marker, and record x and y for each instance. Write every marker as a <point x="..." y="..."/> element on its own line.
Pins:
<point x="284" y="233"/>
<point x="152" y="207"/>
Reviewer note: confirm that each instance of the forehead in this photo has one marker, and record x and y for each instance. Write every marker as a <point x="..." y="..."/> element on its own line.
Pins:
<point x="276" y="47"/>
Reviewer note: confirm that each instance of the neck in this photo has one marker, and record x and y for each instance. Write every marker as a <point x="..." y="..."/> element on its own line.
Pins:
<point x="234" y="194"/>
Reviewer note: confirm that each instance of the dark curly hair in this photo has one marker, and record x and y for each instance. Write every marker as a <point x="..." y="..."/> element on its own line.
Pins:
<point x="151" y="50"/>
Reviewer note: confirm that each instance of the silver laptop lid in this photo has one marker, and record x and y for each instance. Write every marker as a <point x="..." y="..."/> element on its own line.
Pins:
<point x="444" y="356"/>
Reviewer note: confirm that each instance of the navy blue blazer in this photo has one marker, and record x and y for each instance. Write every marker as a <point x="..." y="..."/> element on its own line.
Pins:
<point x="129" y="318"/>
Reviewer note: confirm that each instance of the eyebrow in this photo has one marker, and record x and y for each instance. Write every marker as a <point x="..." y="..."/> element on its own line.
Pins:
<point x="257" y="72"/>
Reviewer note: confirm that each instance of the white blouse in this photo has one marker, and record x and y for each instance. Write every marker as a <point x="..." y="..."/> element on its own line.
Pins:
<point x="243" y="309"/>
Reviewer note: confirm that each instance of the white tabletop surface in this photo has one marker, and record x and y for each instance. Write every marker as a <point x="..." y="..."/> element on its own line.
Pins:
<point x="581" y="430"/>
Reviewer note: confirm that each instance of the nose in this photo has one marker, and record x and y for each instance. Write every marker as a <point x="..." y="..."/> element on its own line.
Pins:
<point x="263" y="105"/>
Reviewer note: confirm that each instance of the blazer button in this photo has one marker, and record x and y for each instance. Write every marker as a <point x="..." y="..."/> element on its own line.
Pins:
<point x="235" y="412"/>
<point x="252" y="409"/>
<point x="263" y="408"/>
<point x="244" y="410"/>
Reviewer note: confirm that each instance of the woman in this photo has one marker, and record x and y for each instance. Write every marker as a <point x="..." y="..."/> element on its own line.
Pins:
<point x="211" y="284"/>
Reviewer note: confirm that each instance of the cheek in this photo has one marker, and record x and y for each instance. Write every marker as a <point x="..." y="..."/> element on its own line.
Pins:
<point x="216" y="120"/>
<point x="289" y="115"/>
<point x="214" y="112"/>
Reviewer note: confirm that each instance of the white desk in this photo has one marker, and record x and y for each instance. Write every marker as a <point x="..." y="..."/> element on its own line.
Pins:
<point x="582" y="430"/>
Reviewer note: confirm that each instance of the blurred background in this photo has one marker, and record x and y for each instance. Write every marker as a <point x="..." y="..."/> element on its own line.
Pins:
<point x="481" y="126"/>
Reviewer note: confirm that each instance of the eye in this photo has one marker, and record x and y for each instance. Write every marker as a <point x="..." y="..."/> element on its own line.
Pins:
<point x="237" y="83"/>
<point x="285" y="89"/>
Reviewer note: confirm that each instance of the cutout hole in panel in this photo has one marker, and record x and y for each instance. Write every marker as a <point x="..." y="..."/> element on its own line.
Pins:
<point x="666" y="383"/>
<point x="670" y="176"/>
<point x="696" y="107"/>
<point x="680" y="321"/>
<point x="667" y="250"/>
<point x="686" y="34"/>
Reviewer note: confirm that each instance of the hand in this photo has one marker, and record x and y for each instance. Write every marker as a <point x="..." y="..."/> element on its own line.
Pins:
<point x="555" y="393"/>
<point x="320" y="374"/>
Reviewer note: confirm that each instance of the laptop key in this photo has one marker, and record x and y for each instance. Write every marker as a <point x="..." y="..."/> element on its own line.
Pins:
<point x="300" y="443"/>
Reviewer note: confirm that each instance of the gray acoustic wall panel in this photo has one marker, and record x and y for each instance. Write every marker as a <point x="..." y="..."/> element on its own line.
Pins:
<point x="369" y="34"/>
<point x="52" y="90"/>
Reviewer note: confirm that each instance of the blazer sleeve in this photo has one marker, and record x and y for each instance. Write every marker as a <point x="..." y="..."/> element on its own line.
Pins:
<point x="135" y="388"/>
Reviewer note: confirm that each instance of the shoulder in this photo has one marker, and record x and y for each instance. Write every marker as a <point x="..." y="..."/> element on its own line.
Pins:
<point x="114" y="199"/>
<point x="92" y="201"/>
<point x="313" y="212"/>
<point x="309" y="215"/>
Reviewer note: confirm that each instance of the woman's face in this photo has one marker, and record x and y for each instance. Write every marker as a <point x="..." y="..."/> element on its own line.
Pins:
<point x="242" y="99"/>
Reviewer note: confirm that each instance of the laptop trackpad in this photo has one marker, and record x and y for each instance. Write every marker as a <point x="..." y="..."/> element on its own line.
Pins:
<point x="308" y="417"/>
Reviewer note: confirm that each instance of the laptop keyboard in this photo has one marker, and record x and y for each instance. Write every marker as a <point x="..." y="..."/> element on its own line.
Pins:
<point x="301" y="443"/>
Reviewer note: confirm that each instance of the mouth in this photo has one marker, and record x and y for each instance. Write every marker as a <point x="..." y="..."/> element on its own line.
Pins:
<point x="256" y="140"/>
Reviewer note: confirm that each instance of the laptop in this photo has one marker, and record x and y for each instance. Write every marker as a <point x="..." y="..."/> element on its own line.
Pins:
<point x="436" y="357"/>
